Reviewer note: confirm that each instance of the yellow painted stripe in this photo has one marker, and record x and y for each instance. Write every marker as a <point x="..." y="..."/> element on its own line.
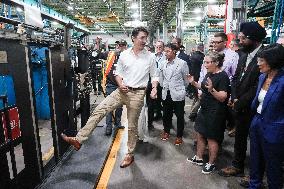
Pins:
<point x="47" y="156"/>
<point x="102" y="184"/>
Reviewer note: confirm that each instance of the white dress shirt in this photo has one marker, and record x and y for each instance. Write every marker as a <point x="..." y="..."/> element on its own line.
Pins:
<point x="252" y="54"/>
<point x="250" y="57"/>
<point x="160" y="61"/>
<point x="135" y="69"/>
<point x="261" y="97"/>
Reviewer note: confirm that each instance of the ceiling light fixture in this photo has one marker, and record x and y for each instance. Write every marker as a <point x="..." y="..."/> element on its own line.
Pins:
<point x="19" y="9"/>
<point x="135" y="15"/>
<point x="211" y="1"/>
<point x="134" y="6"/>
<point x="198" y="18"/>
<point x="197" y="10"/>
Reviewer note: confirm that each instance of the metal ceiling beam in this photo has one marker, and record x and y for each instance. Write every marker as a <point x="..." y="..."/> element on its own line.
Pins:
<point x="47" y="15"/>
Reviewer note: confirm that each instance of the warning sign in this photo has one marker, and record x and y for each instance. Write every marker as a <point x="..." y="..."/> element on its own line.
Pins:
<point x="14" y="123"/>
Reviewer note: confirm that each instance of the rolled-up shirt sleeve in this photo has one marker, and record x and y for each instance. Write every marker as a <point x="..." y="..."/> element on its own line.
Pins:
<point x="154" y="71"/>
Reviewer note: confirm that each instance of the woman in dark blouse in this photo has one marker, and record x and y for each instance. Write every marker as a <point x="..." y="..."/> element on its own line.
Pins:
<point x="210" y="123"/>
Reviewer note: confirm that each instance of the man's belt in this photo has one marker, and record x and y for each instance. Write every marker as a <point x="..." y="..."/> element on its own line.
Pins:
<point x="136" y="89"/>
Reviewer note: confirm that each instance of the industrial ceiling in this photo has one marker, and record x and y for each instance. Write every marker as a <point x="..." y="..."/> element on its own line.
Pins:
<point x="117" y="16"/>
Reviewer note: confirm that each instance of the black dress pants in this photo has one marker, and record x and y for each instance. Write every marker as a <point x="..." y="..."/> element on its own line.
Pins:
<point x="242" y="123"/>
<point x="168" y="107"/>
<point x="154" y="104"/>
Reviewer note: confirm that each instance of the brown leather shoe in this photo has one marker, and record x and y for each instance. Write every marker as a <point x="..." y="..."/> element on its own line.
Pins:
<point x="72" y="141"/>
<point x="165" y="136"/>
<point x="127" y="161"/>
<point x="244" y="182"/>
<point x="232" y="132"/>
<point x="231" y="171"/>
<point x="178" y="141"/>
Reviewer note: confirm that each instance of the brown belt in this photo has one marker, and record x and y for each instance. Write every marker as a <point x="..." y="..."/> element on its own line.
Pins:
<point x="136" y="89"/>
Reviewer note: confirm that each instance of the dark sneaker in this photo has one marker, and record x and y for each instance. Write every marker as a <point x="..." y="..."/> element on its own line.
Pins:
<point x="196" y="161"/>
<point x="150" y="127"/>
<point x="119" y="127"/>
<point x="108" y="130"/>
<point x="208" y="168"/>
<point x="192" y="117"/>
<point x="231" y="171"/>
<point x="158" y="117"/>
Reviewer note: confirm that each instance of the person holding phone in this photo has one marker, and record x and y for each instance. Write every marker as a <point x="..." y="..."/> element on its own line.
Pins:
<point x="211" y="119"/>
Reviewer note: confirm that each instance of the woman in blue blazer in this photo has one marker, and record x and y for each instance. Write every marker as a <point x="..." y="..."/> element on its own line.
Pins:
<point x="267" y="127"/>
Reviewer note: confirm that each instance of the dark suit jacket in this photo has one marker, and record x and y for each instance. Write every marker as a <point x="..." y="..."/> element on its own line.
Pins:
<point x="272" y="113"/>
<point x="244" y="87"/>
<point x="183" y="56"/>
<point x="196" y="60"/>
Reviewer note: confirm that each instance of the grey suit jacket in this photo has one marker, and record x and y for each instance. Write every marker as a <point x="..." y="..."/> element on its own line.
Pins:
<point x="175" y="79"/>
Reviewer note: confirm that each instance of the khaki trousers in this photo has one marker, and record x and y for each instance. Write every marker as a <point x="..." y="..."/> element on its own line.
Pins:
<point x="133" y="101"/>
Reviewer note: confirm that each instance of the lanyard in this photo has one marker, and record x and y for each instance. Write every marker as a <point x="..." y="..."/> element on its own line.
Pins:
<point x="157" y="62"/>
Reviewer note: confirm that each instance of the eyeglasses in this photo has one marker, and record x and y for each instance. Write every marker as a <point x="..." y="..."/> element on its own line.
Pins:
<point x="217" y="42"/>
<point x="207" y="62"/>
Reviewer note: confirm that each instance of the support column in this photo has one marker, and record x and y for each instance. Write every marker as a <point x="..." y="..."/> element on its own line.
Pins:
<point x="239" y="14"/>
<point x="165" y="32"/>
<point x="67" y="35"/>
<point x="275" y="22"/>
<point x="179" y="13"/>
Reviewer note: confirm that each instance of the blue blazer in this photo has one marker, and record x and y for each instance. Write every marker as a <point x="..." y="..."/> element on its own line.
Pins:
<point x="272" y="113"/>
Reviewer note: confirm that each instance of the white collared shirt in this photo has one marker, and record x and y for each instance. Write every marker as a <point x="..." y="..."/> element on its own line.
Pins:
<point x="160" y="61"/>
<point x="252" y="54"/>
<point x="230" y="62"/>
<point x="135" y="69"/>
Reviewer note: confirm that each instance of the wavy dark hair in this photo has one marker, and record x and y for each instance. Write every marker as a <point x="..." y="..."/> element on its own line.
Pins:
<point x="274" y="56"/>
<point x="172" y="46"/>
<point x="136" y="31"/>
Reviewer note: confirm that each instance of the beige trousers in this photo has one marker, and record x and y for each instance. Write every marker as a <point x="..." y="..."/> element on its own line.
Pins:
<point x="133" y="101"/>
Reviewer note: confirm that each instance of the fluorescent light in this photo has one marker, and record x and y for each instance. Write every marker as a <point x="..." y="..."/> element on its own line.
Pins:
<point x="70" y="8"/>
<point x="198" y="18"/>
<point x="55" y="23"/>
<point x="197" y="10"/>
<point x="19" y="9"/>
<point x="211" y="1"/>
<point x="190" y="24"/>
<point x="134" y="6"/>
<point x="135" y="15"/>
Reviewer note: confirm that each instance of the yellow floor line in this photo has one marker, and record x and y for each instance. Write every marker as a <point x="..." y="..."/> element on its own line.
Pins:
<point x="102" y="184"/>
<point x="47" y="156"/>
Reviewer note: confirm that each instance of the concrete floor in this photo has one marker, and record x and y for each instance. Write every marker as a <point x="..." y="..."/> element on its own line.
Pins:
<point x="158" y="164"/>
<point x="162" y="165"/>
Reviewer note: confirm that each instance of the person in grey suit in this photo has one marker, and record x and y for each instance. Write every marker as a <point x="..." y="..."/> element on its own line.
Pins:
<point x="174" y="73"/>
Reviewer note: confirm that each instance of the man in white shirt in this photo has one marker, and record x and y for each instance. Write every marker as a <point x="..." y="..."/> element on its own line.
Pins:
<point x="132" y="74"/>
